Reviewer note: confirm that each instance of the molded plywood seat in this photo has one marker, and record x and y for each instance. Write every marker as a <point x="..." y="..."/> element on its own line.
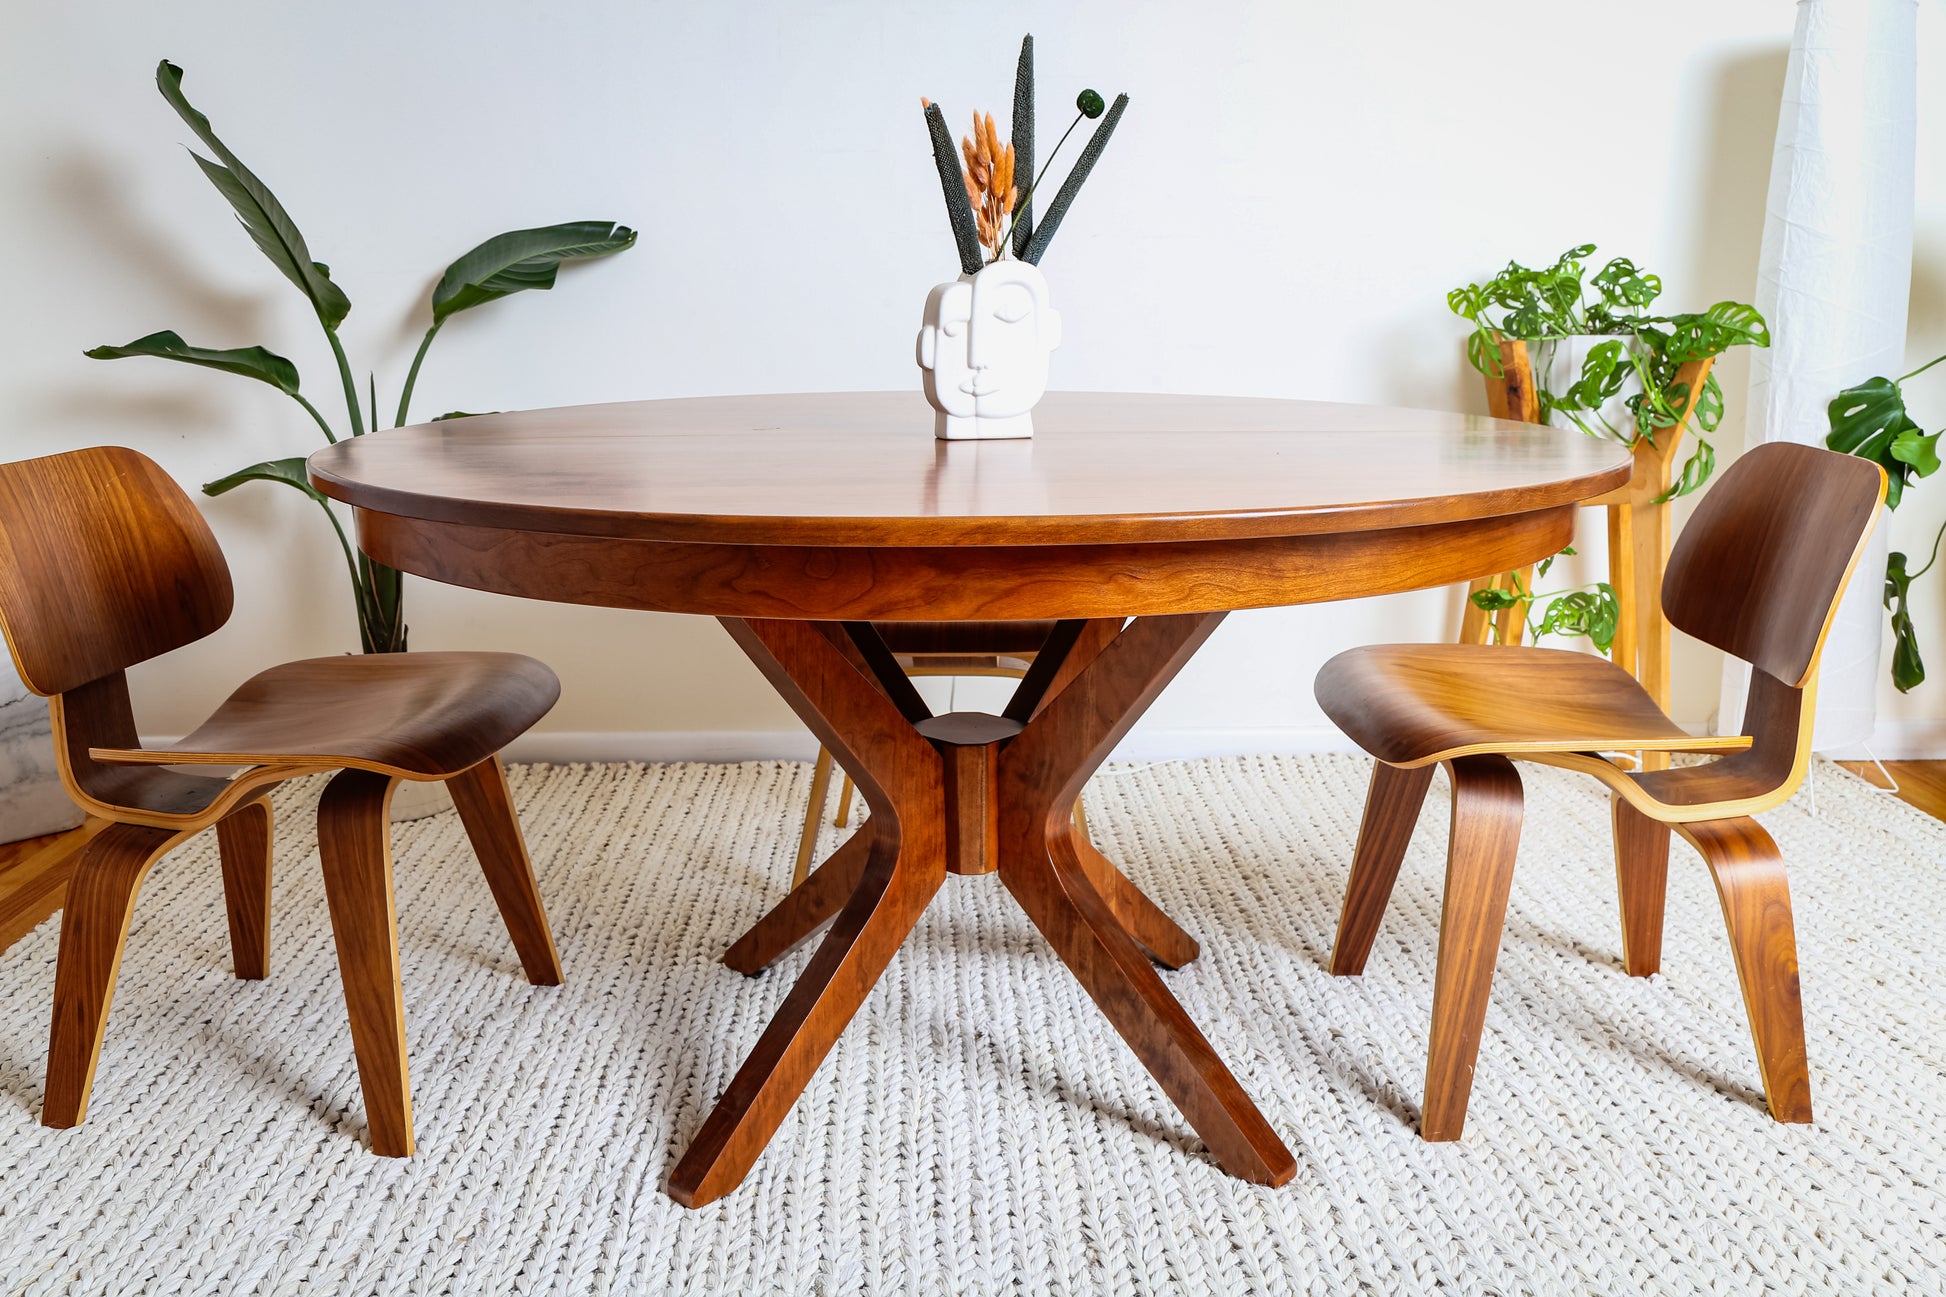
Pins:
<point x="1412" y="704"/>
<point x="416" y="715"/>
<point x="104" y="563"/>
<point x="1757" y="573"/>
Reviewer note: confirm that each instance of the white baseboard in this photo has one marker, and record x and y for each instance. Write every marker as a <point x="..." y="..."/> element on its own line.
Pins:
<point x="563" y="746"/>
<point x="1898" y="741"/>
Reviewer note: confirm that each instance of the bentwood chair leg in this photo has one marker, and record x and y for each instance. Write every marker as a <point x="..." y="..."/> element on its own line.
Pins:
<point x="243" y="839"/>
<point x="1756" y="897"/>
<point x="1642" y="878"/>
<point x="1391" y="813"/>
<point x="807" y="838"/>
<point x="94" y="925"/>
<point x="486" y="809"/>
<point x="354" y="842"/>
<point x="1479" y="872"/>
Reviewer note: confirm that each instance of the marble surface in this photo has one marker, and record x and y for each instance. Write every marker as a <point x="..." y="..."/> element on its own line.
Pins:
<point x="31" y="800"/>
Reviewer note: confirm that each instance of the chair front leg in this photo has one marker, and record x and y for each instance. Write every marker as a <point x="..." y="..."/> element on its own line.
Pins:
<point x="1642" y="879"/>
<point x="243" y="839"/>
<point x="94" y="926"/>
<point x="486" y="808"/>
<point x="1479" y="872"/>
<point x="1391" y="813"/>
<point x="354" y="843"/>
<point x="1756" y="897"/>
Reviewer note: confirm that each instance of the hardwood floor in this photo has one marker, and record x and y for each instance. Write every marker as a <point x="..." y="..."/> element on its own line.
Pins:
<point x="1923" y="783"/>
<point x="34" y="873"/>
<point x="34" y="878"/>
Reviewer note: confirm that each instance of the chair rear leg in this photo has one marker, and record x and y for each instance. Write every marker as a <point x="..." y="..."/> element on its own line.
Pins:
<point x="1642" y="878"/>
<point x="354" y="843"/>
<point x="94" y="926"/>
<point x="243" y="838"/>
<point x="1391" y="812"/>
<point x="486" y="809"/>
<point x="1479" y="871"/>
<point x="1756" y="897"/>
<point x="807" y="837"/>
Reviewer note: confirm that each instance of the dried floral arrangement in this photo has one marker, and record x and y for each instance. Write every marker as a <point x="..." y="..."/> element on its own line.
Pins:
<point x="980" y="199"/>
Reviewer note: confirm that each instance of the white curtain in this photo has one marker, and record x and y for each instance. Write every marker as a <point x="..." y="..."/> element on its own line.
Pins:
<point x="1832" y="280"/>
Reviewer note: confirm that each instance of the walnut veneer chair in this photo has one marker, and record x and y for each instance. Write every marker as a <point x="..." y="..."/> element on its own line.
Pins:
<point x="104" y="563"/>
<point x="1757" y="573"/>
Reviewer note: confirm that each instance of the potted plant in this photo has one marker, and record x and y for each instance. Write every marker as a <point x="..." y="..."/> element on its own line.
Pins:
<point x="1871" y="421"/>
<point x="1604" y="362"/>
<point x="505" y="264"/>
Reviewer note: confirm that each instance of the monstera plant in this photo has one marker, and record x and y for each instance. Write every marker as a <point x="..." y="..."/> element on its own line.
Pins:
<point x="504" y="264"/>
<point x="1871" y="421"/>
<point x="1637" y="357"/>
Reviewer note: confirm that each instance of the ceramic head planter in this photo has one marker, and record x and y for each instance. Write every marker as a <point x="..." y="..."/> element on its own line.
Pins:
<point x="985" y="340"/>
<point x="984" y="348"/>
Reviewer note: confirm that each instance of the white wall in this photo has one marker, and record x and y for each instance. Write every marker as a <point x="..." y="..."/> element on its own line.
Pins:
<point x="1294" y="189"/>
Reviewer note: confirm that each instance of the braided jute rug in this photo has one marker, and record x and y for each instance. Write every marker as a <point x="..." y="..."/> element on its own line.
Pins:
<point x="980" y="1129"/>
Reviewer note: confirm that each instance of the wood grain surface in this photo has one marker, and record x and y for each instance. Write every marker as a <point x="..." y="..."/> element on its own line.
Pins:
<point x="967" y="582"/>
<point x="863" y="469"/>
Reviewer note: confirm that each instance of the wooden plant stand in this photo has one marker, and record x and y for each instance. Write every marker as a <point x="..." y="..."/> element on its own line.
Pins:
<point x="1638" y="537"/>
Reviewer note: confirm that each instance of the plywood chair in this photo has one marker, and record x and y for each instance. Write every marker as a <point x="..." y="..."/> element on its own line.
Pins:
<point x="931" y="648"/>
<point x="1757" y="573"/>
<point x="104" y="563"/>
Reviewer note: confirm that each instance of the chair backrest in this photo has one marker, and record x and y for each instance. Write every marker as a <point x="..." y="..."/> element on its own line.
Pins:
<point x="104" y="562"/>
<point x="1759" y="566"/>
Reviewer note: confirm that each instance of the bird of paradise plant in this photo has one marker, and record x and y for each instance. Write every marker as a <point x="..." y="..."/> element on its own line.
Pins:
<point x="504" y="264"/>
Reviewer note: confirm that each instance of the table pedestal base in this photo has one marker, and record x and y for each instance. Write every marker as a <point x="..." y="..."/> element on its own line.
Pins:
<point x="970" y="794"/>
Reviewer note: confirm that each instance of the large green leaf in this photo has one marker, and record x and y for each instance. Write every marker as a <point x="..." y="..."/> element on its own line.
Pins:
<point x="251" y="362"/>
<point x="1908" y="668"/>
<point x="1868" y="421"/>
<point x="269" y="225"/>
<point x="290" y="472"/>
<point x="520" y="259"/>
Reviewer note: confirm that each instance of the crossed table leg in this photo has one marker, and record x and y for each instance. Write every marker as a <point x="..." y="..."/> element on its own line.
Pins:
<point x="970" y="793"/>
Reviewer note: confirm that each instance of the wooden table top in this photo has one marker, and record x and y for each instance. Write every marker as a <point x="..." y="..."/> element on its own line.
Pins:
<point x="863" y="469"/>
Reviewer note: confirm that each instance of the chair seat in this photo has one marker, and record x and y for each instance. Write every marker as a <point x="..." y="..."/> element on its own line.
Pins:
<point x="416" y="715"/>
<point x="1413" y="704"/>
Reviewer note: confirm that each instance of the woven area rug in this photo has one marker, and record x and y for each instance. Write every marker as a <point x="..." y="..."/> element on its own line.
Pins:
<point x="980" y="1129"/>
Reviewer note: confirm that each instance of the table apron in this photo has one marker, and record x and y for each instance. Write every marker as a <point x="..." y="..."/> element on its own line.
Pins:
<point x="966" y="582"/>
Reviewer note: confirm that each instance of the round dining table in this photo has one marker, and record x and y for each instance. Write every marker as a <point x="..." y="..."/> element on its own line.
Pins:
<point x="1134" y="521"/>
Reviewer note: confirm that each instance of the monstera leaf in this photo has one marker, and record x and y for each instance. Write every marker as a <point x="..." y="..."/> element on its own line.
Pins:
<point x="521" y="259"/>
<point x="1870" y="421"/>
<point x="269" y="225"/>
<point x="251" y="362"/>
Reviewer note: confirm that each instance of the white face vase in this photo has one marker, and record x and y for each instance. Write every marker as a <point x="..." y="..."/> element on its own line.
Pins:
<point x="984" y="347"/>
